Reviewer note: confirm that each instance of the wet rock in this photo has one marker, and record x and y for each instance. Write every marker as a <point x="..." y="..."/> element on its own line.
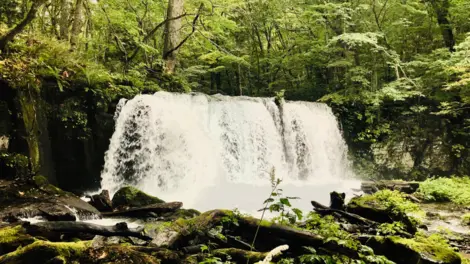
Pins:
<point x="39" y="198"/>
<point x="102" y="201"/>
<point x="133" y="197"/>
<point x="370" y="187"/>
<point x="409" y="251"/>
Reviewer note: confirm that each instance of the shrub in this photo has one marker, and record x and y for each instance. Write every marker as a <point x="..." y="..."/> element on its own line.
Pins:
<point x="454" y="189"/>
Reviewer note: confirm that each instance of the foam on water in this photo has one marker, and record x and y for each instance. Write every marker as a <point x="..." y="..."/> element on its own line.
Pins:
<point x="217" y="151"/>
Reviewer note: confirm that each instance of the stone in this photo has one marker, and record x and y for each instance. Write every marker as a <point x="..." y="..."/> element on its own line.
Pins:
<point x="102" y="201"/>
<point x="19" y="199"/>
<point x="132" y="197"/>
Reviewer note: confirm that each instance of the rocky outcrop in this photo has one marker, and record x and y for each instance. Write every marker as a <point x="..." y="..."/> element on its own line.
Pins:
<point x="39" y="198"/>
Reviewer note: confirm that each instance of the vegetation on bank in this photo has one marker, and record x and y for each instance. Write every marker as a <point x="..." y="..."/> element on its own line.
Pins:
<point x="454" y="189"/>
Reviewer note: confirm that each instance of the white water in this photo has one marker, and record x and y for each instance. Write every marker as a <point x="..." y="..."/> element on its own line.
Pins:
<point x="217" y="151"/>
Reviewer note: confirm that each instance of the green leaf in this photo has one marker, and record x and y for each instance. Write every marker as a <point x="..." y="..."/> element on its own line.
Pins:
<point x="285" y="201"/>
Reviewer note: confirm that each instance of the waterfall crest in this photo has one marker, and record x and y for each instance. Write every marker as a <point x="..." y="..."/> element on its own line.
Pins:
<point x="178" y="145"/>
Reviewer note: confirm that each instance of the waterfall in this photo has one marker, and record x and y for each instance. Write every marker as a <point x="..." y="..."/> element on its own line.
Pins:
<point x="187" y="146"/>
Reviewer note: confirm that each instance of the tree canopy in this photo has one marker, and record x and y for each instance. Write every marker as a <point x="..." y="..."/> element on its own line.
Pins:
<point x="397" y="72"/>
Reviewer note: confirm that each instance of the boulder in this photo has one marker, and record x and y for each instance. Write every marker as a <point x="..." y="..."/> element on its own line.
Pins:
<point x="410" y="251"/>
<point x="102" y="201"/>
<point x="39" y="198"/>
<point x="132" y="197"/>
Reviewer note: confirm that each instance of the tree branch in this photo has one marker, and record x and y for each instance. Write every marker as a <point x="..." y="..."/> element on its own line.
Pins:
<point x="151" y="33"/>
<point x="168" y="53"/>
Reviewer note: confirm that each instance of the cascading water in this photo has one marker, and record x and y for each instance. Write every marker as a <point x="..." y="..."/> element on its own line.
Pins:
<point x="217" y="151"/>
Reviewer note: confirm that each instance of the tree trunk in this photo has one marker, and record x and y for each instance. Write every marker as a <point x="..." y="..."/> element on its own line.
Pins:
<point x="77" y="23"/>
<point x="172" y="34"/>
<point x="64" y="20"/>
<point x="4" y="40"/>
<point x="441" y="7"/>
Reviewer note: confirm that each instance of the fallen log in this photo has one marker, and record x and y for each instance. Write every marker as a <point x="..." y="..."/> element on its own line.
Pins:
<point x="350" y="217"/>
<point x="56" y="229"/>
<point x="371" y="187"/>
<point x="158" y="209"/>
<point x="273" y="235"/>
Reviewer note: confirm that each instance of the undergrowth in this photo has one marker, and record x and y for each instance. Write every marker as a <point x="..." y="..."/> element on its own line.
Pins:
<point x="454" y="189"/>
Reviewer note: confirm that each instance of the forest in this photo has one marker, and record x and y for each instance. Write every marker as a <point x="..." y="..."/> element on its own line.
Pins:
<point x="395" y="73"/>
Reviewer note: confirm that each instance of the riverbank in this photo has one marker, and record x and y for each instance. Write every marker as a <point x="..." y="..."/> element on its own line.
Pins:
<point x="384" y="227"/>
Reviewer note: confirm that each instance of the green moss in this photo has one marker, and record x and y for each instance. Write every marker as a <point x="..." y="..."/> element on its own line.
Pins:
<point x="430" y="248"/>
<point x="133" y="197"/>
<point x="13" y="237"/>
<point x="28" y="112"/>
<point x="466" y="219"/>
<point x="43" y="251"/>
<point x="40" y="180"/>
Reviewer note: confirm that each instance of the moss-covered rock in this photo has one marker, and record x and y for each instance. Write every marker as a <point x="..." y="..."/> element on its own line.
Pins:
<point x="44" y="251"/>
<point x="129" y="254"/>
<point x="385" y="207"/>
<point x="39" y="198"/>
<point x="12" y="237"/>
<point x="132" y="197"/>
<point x="413" y="251"/>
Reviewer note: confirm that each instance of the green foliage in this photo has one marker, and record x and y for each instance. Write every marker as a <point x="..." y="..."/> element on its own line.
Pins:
<point x="454" y="189"/>
<point x="392" y="201"/>
<point x="466" y="219"/>
<point x="331" y="230"/>
<point x="277" y="202"/>
<point x="394" y="228"/>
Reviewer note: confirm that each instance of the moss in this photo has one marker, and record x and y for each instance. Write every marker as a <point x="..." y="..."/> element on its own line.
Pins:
<point x="40" y="180"/>
<point x="13" y="237"/>
<point x="119" y="254"/>
<point x="420" y="249"/>
<point x="238" y="255"/>
<point x="43" y="251"/>
<point x="466" y="219"/>
<point x="431" y="250"/>
<point x="28" y="112"/>
<point x="133" y="197"/>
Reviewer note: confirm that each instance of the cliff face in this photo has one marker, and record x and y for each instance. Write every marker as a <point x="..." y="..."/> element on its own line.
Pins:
<point x="52" y="134"/>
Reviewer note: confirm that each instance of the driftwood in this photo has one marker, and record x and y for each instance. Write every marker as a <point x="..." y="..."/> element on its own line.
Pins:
<point x="55" y="229"/>
<point x="351" y="218"/>
<point x="159" y="208"/>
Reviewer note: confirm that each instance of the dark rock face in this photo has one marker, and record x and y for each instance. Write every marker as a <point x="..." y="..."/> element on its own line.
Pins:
<point x="102" y="201"/>
<point x="132" y="197"/>
<point x="39" y="198"/>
